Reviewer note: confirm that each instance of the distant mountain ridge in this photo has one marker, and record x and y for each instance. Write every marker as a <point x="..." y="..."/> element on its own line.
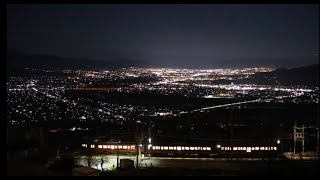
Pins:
<point x="17" y="61"/>
<point x="306" y="75"/>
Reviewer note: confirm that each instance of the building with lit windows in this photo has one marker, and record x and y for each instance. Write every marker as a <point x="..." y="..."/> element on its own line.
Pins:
<point x="220" y="150"/>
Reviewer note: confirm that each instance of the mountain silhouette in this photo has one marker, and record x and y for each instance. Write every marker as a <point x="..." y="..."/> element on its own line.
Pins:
<point x="306" y="75"/>
<point x="17" y="61"/>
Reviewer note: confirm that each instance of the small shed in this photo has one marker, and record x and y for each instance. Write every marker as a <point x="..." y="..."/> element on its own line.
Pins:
<point x="126" y="164"/>
<point x="85" y="171"/>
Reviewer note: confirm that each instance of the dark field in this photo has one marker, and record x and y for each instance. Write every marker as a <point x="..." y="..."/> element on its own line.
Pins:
<point x="233" y="168"/>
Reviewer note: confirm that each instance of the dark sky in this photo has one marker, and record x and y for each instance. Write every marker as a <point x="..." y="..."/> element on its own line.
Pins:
<point x="170" y="35"/>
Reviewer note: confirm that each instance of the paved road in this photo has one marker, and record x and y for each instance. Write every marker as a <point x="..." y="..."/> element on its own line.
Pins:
<point x="231" y="104"/>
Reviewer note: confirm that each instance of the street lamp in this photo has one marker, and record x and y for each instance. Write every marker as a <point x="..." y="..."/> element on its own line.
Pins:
<point x="218" y="146"/>
<point x="278" y="141"/>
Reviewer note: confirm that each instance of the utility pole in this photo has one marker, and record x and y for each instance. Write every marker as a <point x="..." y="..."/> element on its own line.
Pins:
<point x="149" y="131"/>
<point x="137" y="146"/>
<point x="231" y="129"/>
<point x="118" y="154"/>
<point x="139" y="139"/>
<point x="137" y="155"/>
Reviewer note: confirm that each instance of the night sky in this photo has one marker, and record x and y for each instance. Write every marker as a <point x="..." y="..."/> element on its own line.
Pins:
<point x="170" y="35"/>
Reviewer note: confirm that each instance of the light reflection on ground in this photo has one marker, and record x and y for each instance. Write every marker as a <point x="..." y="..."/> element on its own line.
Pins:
<point x="110" y="162"/>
